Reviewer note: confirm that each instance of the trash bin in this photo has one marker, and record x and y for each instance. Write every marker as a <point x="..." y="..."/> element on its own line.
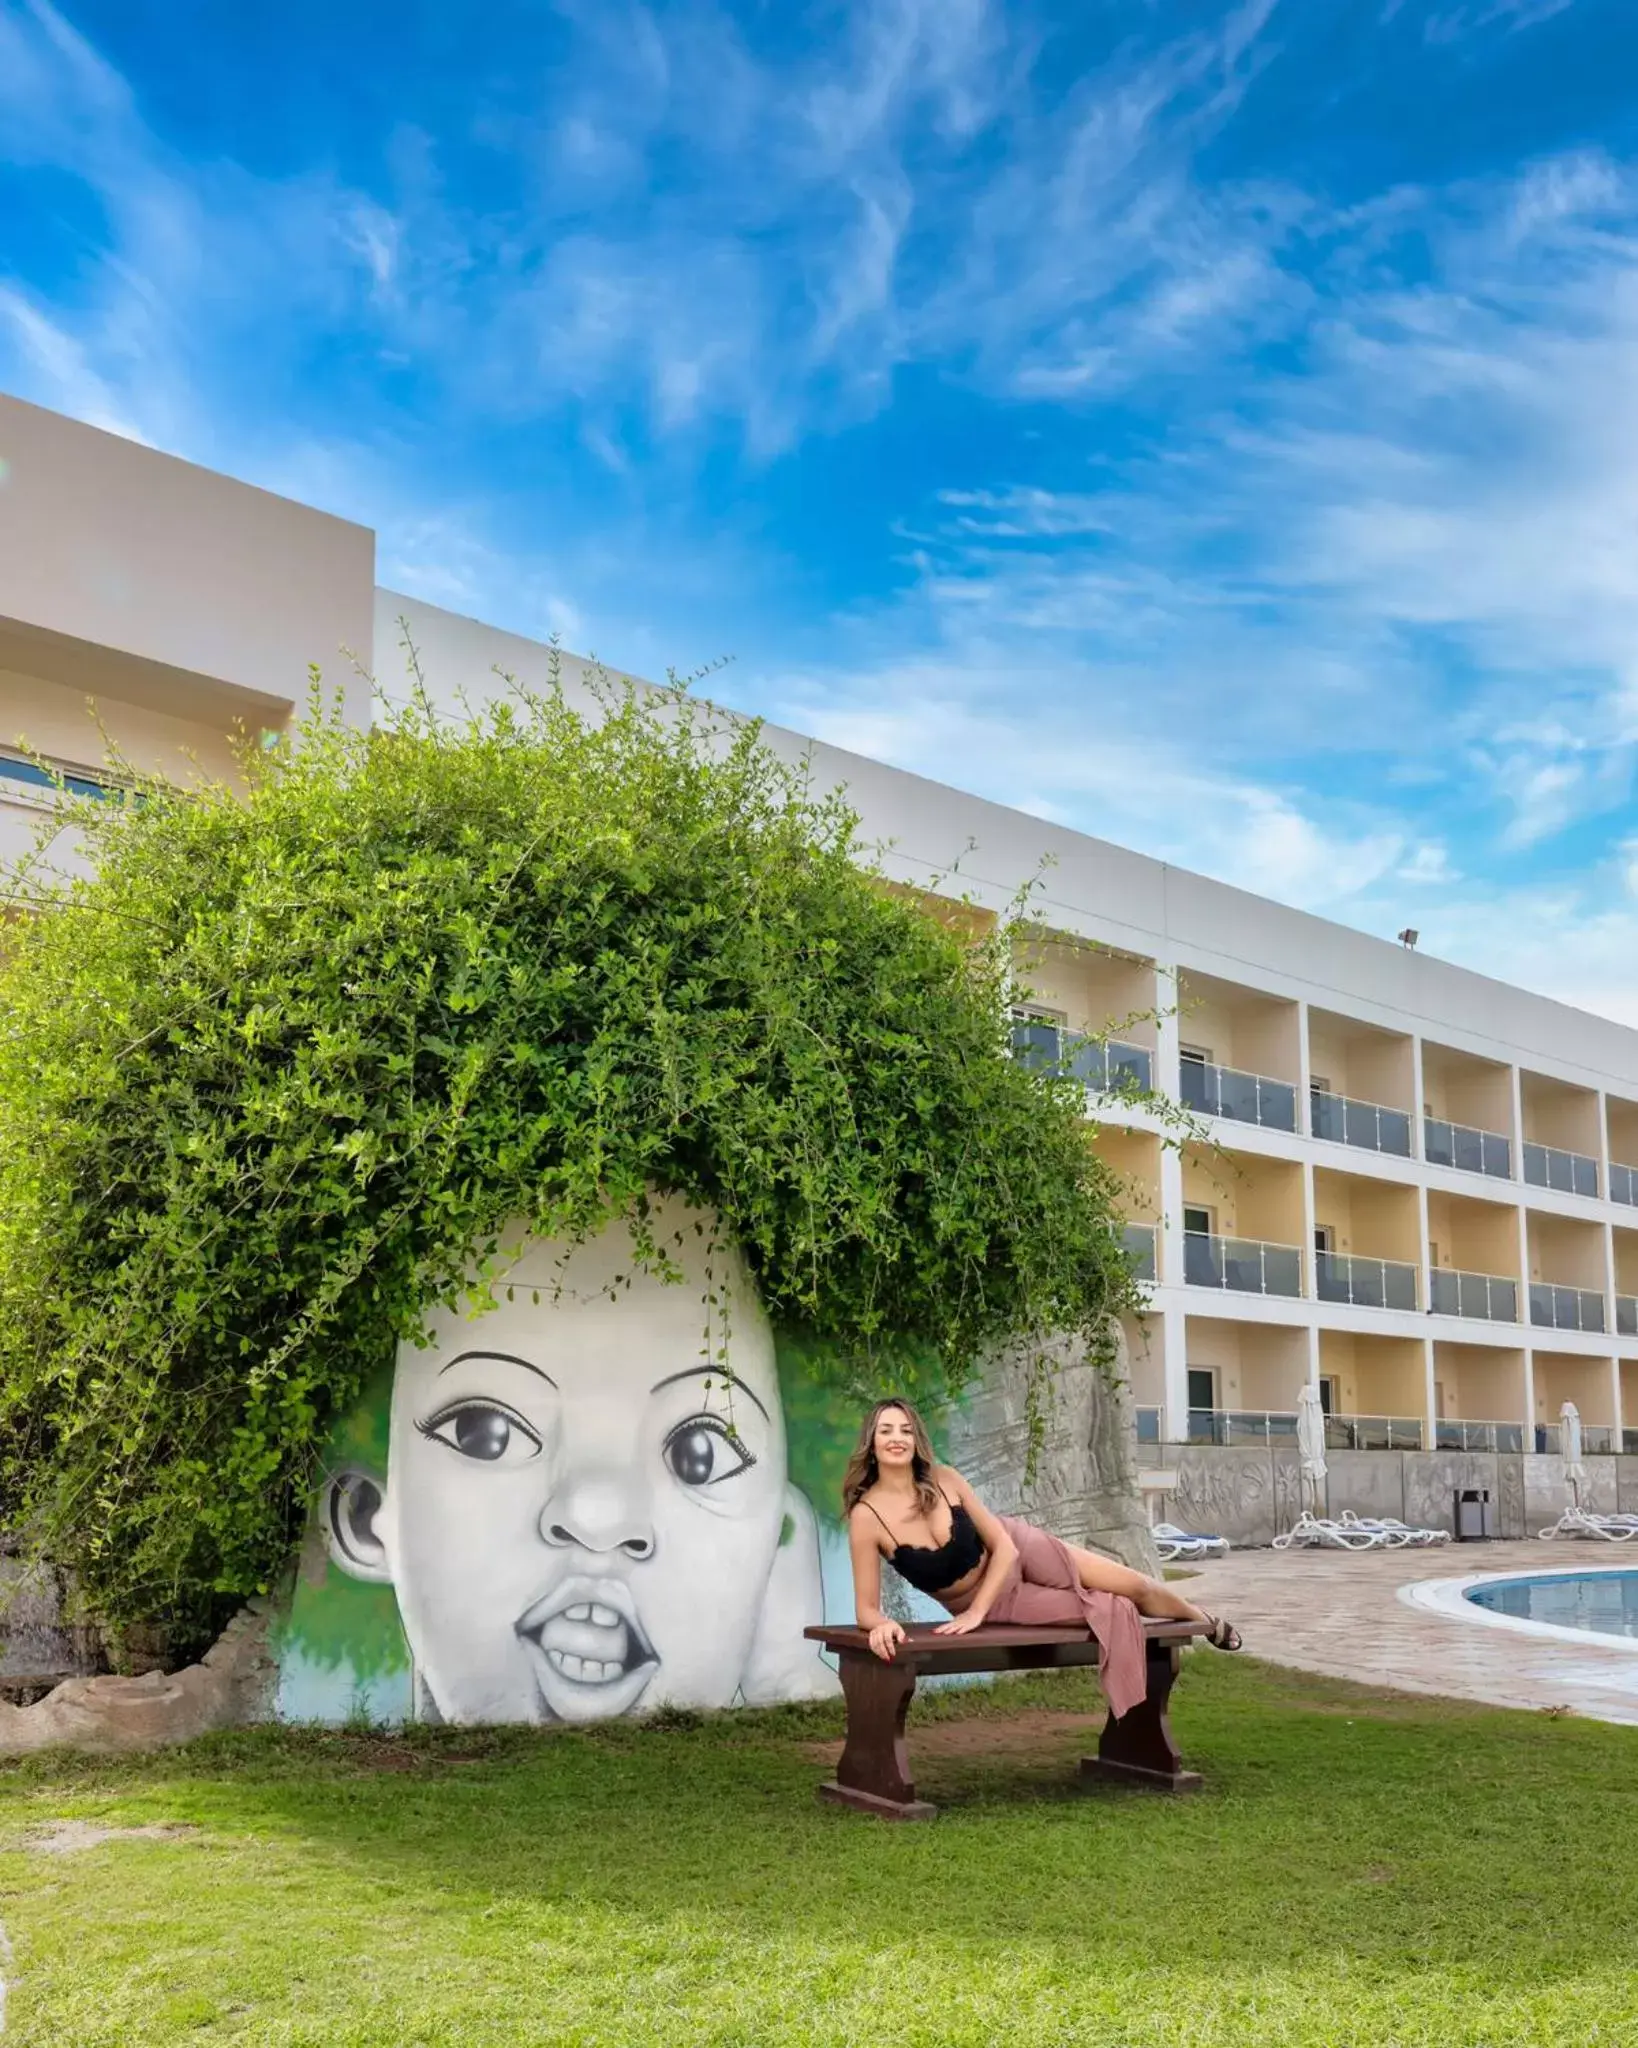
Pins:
<point x="1475" y="1517"/>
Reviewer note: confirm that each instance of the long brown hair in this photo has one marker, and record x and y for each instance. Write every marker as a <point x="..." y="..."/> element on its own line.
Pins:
<point x="862" y="1471"/>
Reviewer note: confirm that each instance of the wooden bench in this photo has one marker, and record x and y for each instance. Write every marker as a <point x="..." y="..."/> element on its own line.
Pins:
<point x="873" y="1773"/>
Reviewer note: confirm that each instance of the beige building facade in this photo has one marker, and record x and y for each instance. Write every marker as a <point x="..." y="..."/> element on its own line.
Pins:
<point x="1410" y="1184"/>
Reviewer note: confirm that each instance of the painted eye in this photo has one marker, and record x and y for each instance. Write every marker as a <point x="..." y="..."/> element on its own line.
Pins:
<point x="704" y="1451"/>
<point x="481" y="1431"/>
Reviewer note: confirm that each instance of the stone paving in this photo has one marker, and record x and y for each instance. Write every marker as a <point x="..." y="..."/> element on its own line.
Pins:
<point x="1339" y="1613"/>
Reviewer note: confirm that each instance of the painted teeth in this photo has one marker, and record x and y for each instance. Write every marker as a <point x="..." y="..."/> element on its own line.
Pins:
<point x="605" y="1617"/>
<point x="587" y="1670"/>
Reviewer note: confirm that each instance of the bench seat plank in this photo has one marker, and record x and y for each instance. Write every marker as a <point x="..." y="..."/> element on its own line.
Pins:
<point x="873" y="1772"/>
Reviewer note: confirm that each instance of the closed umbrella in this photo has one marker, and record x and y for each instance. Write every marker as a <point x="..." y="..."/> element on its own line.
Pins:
<point x="1575" y="1473"/>
<point x="1311" y="1447"/>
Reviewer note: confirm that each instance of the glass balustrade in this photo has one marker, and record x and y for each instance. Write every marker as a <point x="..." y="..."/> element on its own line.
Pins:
<point x="1244" y="1098"/>
<point x="1565" y="1308"/>
<point x="1148" y="1425"/>
<point x="1629" y="1442"/>
<point x="1568" y="1173"/>
<point x="1241" y="1265"/>
<point x="1100" y="1064"/>
<point x="1364" y="1283"/>
<point x="1478" y="1436"/>
<point x="1368" y="1125"/>
<point x="1626" y="1315"/>
<point x="1597" y="1439"/>
<point x="1489" y="1297"/>
<point x="1468" y="1150"/>
<point x="1138" y="1242"/>
<point x="1373" y="1432"/>
<point x="1239" y="1426"/>
<point x="1624" y="1184"/>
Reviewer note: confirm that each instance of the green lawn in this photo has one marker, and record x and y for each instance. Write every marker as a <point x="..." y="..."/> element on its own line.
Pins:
<point x="1361" y="1872"/>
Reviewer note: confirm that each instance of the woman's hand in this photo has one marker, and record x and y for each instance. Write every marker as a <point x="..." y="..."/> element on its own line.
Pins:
<point x="885" y="1638"/>
<point x="963" y="1625"/>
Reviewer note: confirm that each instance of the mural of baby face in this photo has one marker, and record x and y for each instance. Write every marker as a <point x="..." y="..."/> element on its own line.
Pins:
<point x="582" y="1509"/>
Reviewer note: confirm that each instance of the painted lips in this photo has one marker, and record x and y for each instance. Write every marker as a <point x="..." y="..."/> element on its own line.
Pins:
<point x="592" y="1655"/>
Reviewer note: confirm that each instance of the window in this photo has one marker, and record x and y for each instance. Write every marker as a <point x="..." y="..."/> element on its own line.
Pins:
<point x="1320" y="1084"/>
<point x="41" y="779"/>
<point x="1197" y="1222"/>
<point x="1325" y="1237"/>
<point x="1202" y="1387"/>
<point x="1328" y="1396"/>
<point x="1196" y="1055"/>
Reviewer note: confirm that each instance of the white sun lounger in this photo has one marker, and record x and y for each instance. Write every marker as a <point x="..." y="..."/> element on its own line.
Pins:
<point x="1604" y="1528"/>
<point x="1171" y="1543"/>
<point x="1399" y="1535"/>
<point x="1314" y="1531"/>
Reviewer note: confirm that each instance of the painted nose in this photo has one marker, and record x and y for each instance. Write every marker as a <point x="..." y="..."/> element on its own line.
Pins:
<point x="599" y="1512"/>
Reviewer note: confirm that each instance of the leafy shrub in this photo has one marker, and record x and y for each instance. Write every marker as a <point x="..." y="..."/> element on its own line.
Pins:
<point x="284" y="1066"/>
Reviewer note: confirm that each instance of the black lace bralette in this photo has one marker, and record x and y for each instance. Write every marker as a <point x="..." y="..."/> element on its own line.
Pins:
<point x="930" y="1568"/>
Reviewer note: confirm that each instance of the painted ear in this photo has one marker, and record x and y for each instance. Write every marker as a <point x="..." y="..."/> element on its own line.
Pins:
<point x="783" y="1665"/>
<point x="351" y="1507"/>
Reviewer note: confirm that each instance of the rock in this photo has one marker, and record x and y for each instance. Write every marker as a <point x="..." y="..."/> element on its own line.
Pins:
<point x="231" y="1686"/>
<point x="1084" y="1487"/>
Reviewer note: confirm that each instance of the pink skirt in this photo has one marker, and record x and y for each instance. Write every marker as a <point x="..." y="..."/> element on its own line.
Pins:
<point x="1044" y="1589"/>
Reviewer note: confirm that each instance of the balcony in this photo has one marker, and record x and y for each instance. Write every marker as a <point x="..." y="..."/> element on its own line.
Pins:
<point x="1243" y="1098"/>
<point x="1626" y="1315"/>
<point x="1368" y="1125"/>
<point x="1099" y="1064"/>
<point x="1486" y="1297"/>
<point x="1232" y="1426"/>
<point x="1468" y="1150"/>
<point x="1597" y="1439"/>
<point x="1138" y="1243"/>
<point x="1565" y="1308"/>
<point x="1478" y="1436"/>
<point x="1567" y="1173"/>
<point x="1364" y="1283"/>
<point x="1624" y="1184"/>
<point x="1373" y="1433"/>
<point x="1241" y="1265"/>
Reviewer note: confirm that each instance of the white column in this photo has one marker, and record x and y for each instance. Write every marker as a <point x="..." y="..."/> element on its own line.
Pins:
<point x="1529" y="1398"/>
<point x="1425" y="1255"/>
<point x="1175" y="1362"/>
<point x="1304" y="1074"/>
<point x="1524" y="1318"/>
<point x="1419" y="1131"/>
<point x="1615" y="1400"/>
<point x="1430" y="1438"/>
<point x="1603" y="1154"/>
<point x="1516" y="1153"/>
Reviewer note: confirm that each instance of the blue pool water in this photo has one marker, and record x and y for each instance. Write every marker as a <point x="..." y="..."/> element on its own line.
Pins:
<point x="1604" y="1602"/>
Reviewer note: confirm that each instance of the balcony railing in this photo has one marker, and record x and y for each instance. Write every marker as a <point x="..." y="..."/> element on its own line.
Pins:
<point x="1365" y="1283"/>
<point x="1624" y="1184"/>
<point x="1467" y="1150"/>
<point x="1231" y="1426"/>
<point x="1138" y="1242"/>
<point x="1245" y="1098"/>
<point x="1478" y="1436"/>
<point x="1488" y="1297"/>
<point x="1626" y="1315"/>
<point x="1373" y="1432"/>
<point x="1597" y="1439"/>
<point x="1570" y="1173"/>
<point x="1629" y="1442"/>
<point x="1242" y="1265"/>
<point x="1148" y="1425"/>
<point x="44" y="781"/>
<point x="1100" y="1064"/>
<point x="1367" y="1124"/>
<point x="1565" y="1308"/>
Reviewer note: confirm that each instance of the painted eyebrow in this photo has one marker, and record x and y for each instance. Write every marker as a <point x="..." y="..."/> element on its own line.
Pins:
<point x="705" y="1372"/>
<point x="506" y="1358"/>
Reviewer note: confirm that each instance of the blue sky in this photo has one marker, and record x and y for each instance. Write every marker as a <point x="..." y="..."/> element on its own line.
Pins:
<point x="1215" y="427"/>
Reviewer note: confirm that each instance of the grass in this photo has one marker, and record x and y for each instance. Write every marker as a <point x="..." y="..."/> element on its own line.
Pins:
<point x="1363" y="1871"/>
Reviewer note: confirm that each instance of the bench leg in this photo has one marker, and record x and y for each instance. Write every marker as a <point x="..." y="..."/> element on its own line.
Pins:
<point x="873" y="1773"/>
<point x="1138" y="1748"/>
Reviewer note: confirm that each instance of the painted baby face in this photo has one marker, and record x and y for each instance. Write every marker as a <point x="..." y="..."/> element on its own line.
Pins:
<point x="581" y="1509"/>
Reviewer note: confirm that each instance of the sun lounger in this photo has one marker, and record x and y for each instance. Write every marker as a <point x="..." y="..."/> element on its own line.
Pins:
<point x="1603" y="1528"/>
<point x="1397" y="1534"/>
<point x="1172" y="1543"/>
<point x="1316" y="1532"/>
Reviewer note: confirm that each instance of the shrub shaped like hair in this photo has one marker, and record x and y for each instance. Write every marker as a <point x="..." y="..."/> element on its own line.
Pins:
<point x="278" y="1072"/>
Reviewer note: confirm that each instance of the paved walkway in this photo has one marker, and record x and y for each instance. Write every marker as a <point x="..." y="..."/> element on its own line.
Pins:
<point x="1339" y="1613"/>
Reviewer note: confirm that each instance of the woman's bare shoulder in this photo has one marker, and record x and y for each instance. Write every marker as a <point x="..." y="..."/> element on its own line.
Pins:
<point x="947" y="1475"/>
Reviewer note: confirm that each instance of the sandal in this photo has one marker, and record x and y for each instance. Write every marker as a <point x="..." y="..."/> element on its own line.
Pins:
<point x="1224" y="1635"/>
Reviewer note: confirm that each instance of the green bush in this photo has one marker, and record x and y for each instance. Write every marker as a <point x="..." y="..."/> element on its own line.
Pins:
<point x="285" y="1065"/>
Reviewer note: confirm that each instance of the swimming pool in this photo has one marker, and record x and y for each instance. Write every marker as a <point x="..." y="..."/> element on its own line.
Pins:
<point x="1601" y="1603"/>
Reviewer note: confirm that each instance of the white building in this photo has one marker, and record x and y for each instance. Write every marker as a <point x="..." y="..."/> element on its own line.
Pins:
<point x="1410" y="1183"/>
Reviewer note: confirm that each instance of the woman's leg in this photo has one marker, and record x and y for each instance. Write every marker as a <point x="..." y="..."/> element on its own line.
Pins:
<point x="1148" y="1596"/>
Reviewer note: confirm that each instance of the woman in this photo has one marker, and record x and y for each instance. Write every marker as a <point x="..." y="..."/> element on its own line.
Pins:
<point x="936" y="1533"/>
